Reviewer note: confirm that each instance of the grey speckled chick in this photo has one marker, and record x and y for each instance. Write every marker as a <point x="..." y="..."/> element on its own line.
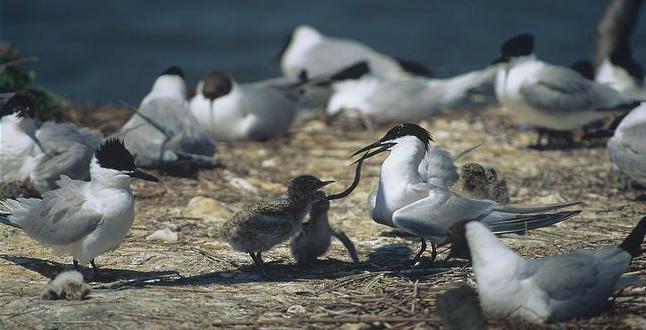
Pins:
<point x="315" y="236"/>
<point x="481" y="182"/>
<point x="67" y="285"/>
<point x="258" y="227"/>
<point x="459" y="308"/>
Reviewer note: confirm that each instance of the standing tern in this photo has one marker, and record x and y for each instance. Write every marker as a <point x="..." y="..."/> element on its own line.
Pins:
<point x="163" y="133"/>
<point x="258" y="227"/>
<point x="627" y="147"/>
<point x="552" y="98"/>
<point x="550" y="289"/>
<point x="262" y="110"/>
<point x="307" y="50"/>
<point x="621" y="72"/>
<point x="405" y="201"/>
<point x="41" y="154"/>
<point x="82" y="219"/>
<point x="378" y="100"/>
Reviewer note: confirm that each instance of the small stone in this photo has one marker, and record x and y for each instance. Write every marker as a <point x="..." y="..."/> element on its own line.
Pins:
<point x="243" y="184"/>
<point x="164" y="235"/>
<point x="203" y="207"/>
<point x="296" y="309"/>
<point x="67" y="285"/>
<point x="268" y="163"/>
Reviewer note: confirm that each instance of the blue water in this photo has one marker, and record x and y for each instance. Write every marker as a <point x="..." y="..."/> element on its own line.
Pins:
<point x="111" y="51"/>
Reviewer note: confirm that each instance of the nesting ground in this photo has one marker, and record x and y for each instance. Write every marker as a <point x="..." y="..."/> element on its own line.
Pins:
<point x="199" y="281"/>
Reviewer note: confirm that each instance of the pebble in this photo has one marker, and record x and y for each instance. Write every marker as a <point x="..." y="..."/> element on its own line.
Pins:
<point x="164" y="235"/>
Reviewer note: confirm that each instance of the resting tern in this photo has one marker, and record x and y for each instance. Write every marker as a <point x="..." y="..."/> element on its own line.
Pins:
<point x="376" y="99"/>
<point x="259" y="227"/>
<point x="163" y="133"/>
<point x="552" y="98"/>
<point x="42" y="153"/>
<point x="82" y="219"/>
<point x="307" y="50"/>
<point x="627" y="147"/>
<point x="621" y="72"/>
<point x="406" y="201"/>
<point x="550" y="289"/>
<point x="262" y="110"/>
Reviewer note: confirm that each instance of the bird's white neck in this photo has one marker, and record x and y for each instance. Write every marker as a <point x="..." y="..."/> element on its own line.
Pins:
<point x="167" y="86"/>
<point x="24" y="124"/>
<point x="102" y="178"/>
<point x="487" y="250"/>
<point x="401" y="165"/>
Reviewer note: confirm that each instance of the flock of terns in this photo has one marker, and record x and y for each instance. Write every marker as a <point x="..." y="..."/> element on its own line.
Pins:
<point x="86" y="206"/>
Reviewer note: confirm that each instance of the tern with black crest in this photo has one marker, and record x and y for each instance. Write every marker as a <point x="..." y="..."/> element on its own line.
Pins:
<point x="428" y="210"/>
<point x="82" y="219"/>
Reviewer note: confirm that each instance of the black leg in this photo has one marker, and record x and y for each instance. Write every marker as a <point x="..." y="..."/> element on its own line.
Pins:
<point x="76" y="264"/>
<point x="419" y="254"/>
<point x="257" y="259"/>
<point x="433" y="252"/>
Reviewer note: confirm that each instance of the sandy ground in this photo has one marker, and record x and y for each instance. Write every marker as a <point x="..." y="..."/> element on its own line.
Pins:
<point x="199" y="281"/>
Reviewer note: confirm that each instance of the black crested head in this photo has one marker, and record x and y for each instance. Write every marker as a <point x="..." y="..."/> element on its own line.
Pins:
<point x="285" y="44"/>
<point x="21" y="103"/>
<point x="305" y="185"/>
<point x="216" y="84"/>
<point x="585" y="68"/>
<point x="113" y="154"/>
<point x="520" y="45"/>
<point x="408" y="129"/>
<point x="622" y="56"/>
<point x="173" y="71"/>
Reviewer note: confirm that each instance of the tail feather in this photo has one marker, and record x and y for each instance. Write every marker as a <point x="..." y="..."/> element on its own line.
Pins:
<point x="341" y="236"/>
<point x="520" y="223"/>
<point x="468" y="150"/>
<point x="632" y="243"/>
<point x="527" y="209"/>
<point x="5" y="220"/>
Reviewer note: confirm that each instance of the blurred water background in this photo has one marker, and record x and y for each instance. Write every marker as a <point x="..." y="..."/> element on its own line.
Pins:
<point x="111" y="51"/>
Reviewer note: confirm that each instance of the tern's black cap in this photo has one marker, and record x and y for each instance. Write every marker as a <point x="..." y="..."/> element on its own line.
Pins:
<point x="21" y="103"/>
<point x="113" y="154"/>
<point x="408" y="129"/>
<point x="173" y="71"/>
<point x="520" y="45"/>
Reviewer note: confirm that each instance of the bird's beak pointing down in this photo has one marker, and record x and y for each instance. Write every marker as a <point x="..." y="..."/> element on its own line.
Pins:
<point x="139" y="174"/>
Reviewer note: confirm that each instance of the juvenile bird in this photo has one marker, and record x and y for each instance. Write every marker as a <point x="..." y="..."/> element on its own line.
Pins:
<point x="315" y="236"/>
<point x="82" y="219"/>
<point x="67" y="285"/>
<point x="550" y="289"/>
<point x="259" y="227"/>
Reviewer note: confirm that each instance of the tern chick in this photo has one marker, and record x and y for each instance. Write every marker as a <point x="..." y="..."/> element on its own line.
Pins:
<point x="67" y="285"/>
<point x="259" y="227"/>
<point x="483" y="183"/>
<point x="550" y="289"/>
<point x="315" y="236"/>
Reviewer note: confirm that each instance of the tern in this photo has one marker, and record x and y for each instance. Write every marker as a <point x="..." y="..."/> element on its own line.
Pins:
<point x="406" y="201"/>
<point x="552" y="98"/>
<point x="162" y="133"/>
<point x="379" y="100"/>
<point x="627" y="147"/>
<point x="550" y="289"/>
<point x="82" y="219"/>
<point x="258" y="227"/>
<point x="307" y="50"/>
<point x="42" y="153"/>
<point x="262" y="110"/>
<point x="621" y="72"/>
<point x="315" y="235"/>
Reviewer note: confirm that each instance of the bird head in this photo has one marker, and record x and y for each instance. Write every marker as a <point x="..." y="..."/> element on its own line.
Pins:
<point x="518" y="46"/>
<point x="305" y="186"/>
<point x="397" y="134"/>
<point x="113" y="155"/>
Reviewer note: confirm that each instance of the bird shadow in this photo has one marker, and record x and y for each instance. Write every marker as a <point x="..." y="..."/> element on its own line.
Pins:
<point x="50" y="269"/>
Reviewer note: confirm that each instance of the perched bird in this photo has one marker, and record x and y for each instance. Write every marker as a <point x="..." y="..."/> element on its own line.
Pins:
<point x="428" y="210"/>
<point x="163" y="133"/>
<point x="627" y="147"/>
<point x="315" y="236"/>
<point x="621" y="72"/>
<point x="307" y="50"/>
<point x="552" y="98"/>
<point x="42" y="153"/>
<point x="259" y="227"/>
<point x="261" y="110"/>
<point x="82" y="219"/>
<point x="68" y="285"/>
<point x="379" y="100"/>
<point x="550" y="289"/>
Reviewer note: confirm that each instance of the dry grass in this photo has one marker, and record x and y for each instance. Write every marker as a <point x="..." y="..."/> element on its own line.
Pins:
<point x="199" y="282"/>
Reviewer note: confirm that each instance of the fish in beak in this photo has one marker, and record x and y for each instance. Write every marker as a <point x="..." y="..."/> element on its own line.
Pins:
<point x="379" y="146"/>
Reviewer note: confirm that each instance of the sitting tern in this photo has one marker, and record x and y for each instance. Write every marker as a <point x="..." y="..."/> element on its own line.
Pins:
<point x="621" y="72"/>
<point x="82" y="219"/>
<point x="163" y="133"/>
<point x="307" y="50"/>
<point x="627" y="147"/>
<point x="550" y="289"/>
<point x="552" y="98"/>
<point x="262" y="110"/>
<point x="406" y="201"/>
<point x="42" y="153"/>
<point x="259" y="227"/>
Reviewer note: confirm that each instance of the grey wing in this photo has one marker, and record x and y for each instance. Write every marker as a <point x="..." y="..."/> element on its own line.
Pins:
<point x="62" y="217"/>
<point x="438" y="168"/>
<point x="432" y="217"/>
<point x="632" y="130"/>
<point x="556" y="89"/>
